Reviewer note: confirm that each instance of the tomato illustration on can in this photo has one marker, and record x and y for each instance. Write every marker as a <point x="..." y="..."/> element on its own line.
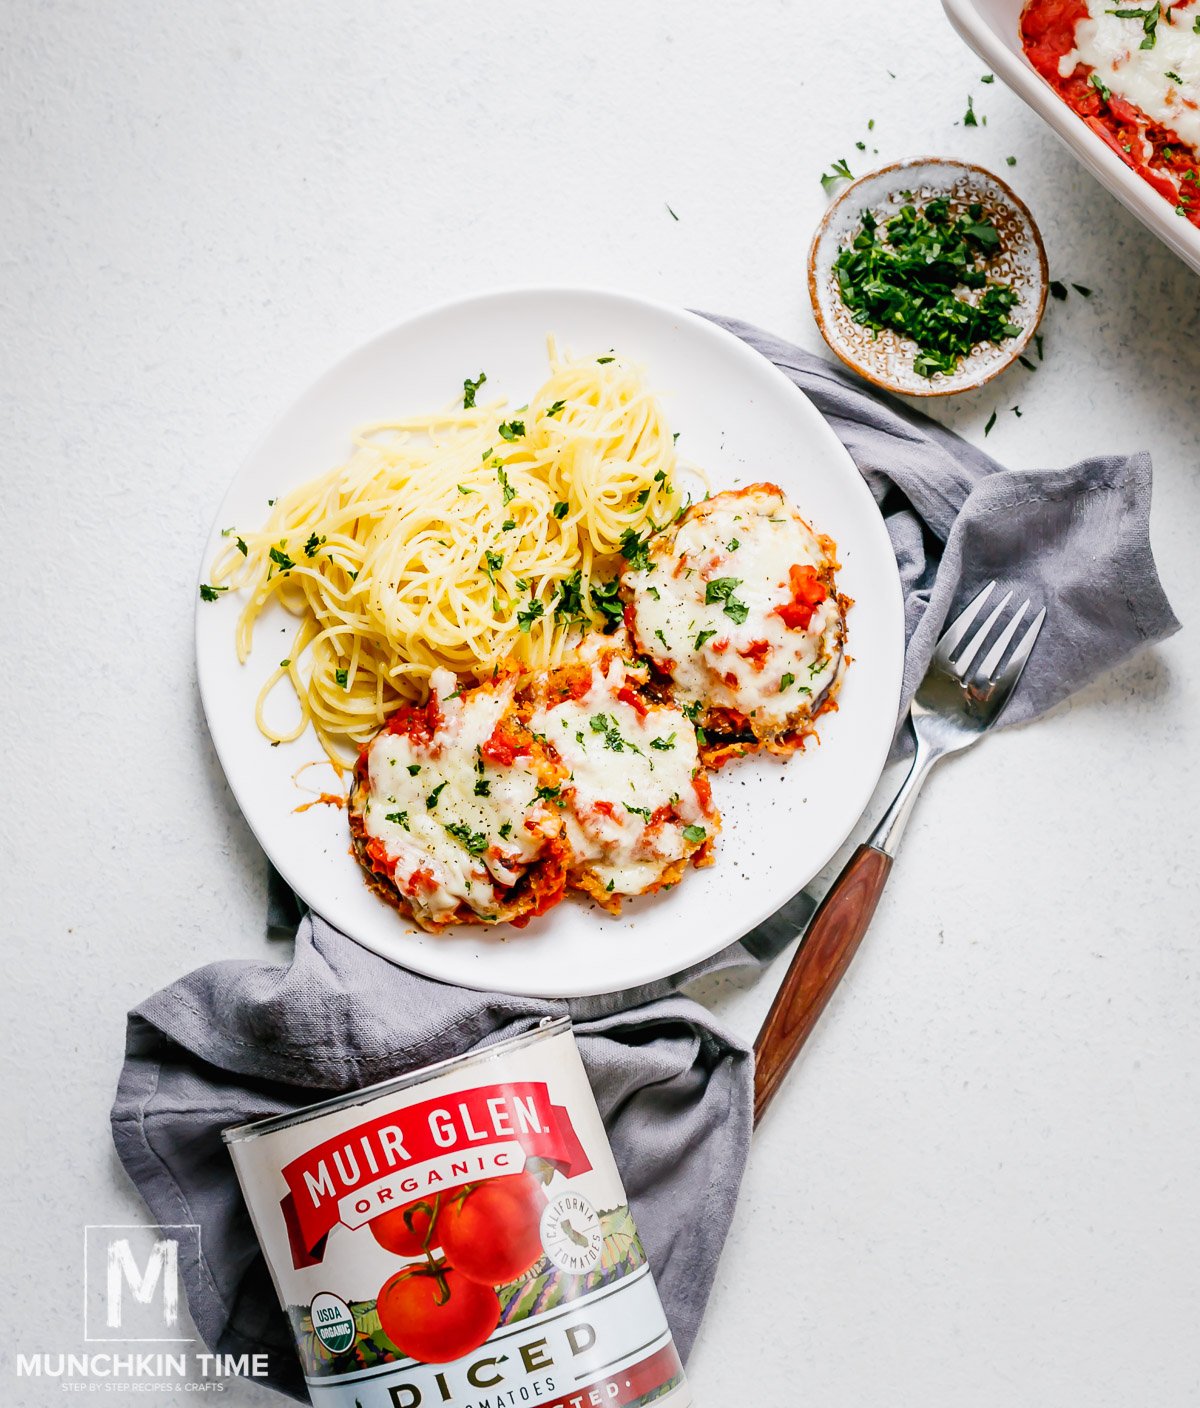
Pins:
<point x="459" y="1229"/>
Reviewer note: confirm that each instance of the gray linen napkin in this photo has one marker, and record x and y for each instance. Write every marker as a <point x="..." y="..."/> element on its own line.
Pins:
<point x="238" y="1041"/>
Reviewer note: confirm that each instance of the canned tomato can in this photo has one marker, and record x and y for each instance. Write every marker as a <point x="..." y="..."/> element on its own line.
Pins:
<point x="460" y="1236"/>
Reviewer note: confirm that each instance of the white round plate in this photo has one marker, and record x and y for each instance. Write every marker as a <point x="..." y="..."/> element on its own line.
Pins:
<point x="739" y="418"/>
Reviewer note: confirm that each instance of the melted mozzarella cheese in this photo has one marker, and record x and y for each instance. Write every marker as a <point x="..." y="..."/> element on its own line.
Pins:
<point x="619" y="780"/>
<point x="439" y="807"/>
<point x="1112" y="47"/>
<point x="687" y="617"/>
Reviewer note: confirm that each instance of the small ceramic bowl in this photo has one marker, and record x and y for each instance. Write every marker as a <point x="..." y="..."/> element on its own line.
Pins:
<point x="886" y="358"/>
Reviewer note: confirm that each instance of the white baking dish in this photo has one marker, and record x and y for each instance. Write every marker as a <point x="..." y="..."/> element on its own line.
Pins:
<point x="992" y="29"/>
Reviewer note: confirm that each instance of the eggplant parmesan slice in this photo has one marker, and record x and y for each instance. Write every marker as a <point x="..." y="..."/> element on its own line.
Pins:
<point x="737" y="605"/>
<point x="453" y="809"/>
<point x="637" y="803"/>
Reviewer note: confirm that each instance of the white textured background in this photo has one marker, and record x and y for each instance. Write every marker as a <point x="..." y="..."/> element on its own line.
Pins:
<point x="980" y="1185"/>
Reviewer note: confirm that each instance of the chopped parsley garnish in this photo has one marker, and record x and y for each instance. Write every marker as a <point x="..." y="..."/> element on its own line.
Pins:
<point x="462" y="489"/>
<point x="1027" y="364"/>
<point x="343" y="678"/>
<point x="1149" y="18"/>
<point x="721" y="589"/>
<point x="991" y="421"/>
<point x="241" y="546"/>
<point x="694" y="833"/>
<point x="732" y="545"/>
<point x="1173" y="76"/>
<point x="495" y="561"/>
<point x="969" y="118"/>
<point x="606" y="600"/>
<point x="550" y="794"/>
<point x="208" y="593"/>
<point x="1196" y="26"/>
<point x="643" y="812"/>
<point x="601" y="723"/>
<point x="840" y="172"/>
<point x="280" y="558"/>
<point x="670" y="212"/>
<point x="432" y="799"/>
<point x="1058" y="289"/>
<point x="507" y="492"/>
<point x="483" y="788"/>
<point x="568" y="605"/>
<point x="526" y="618"/>
<point x="561" y="509"/>
<point x="663" y="745"/>
<point x="506" y="830"/>
<point x="603" y="361"/>
<point x="662" y="639"/>
<point x="1100" y="86"/>
<point x="988" y="78"/>
<point x="470" y="388"/>
<point x="702" y="637"/>
<point x="507" y="525"/>
<point x="693" y="712"/>
<point x="786" y="682"/>
<point x="310" y="548"/>
<point x="633" y="550"/>
<point x="398" y="819"/>
<point x="413" y="769"/>
<point x="905" y="275"/>
<point x="643" y="497"/>
<point x="556" y="409"/>
<point x="1011" y="160"/>
<point x="475" y="841"/>
<point x="512" y="429"/>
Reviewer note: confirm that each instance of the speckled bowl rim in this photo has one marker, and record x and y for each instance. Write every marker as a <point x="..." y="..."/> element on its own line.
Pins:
<point x="1012" y="351"/>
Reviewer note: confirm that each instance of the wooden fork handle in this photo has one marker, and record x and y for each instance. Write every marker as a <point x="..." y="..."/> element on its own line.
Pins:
<point x="829" y="943"/>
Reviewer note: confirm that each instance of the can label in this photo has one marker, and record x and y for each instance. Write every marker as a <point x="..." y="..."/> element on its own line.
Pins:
<point x="461" y="1240"/>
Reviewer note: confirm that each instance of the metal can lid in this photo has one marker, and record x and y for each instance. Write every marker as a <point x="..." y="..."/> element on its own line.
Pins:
<point x="548" y="1026"/>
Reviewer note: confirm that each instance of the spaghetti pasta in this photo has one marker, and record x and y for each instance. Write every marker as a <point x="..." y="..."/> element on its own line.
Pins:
<point x="455" y="540"/>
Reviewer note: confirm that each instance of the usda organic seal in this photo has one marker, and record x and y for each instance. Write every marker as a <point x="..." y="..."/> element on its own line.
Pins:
<point x="332" y="1321"/>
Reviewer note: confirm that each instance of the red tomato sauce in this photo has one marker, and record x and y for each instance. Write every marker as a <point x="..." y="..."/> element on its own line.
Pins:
<point x="1172" y="168"/>
<point x="419" y="721"/>
<point x="504" y="745"/>
<point x="808" y="592"/>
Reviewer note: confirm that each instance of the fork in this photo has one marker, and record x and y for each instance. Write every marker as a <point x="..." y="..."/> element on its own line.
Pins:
<point x="952" y="708"/>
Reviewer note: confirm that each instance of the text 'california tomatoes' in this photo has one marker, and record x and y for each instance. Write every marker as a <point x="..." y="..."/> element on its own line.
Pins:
<point x="491" y="1231"/>
<point x="435" y="1314"/>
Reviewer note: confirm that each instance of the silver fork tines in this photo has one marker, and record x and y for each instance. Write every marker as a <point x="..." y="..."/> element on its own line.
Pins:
<point x="956" y="702"/>
<point x="963" y="663"/>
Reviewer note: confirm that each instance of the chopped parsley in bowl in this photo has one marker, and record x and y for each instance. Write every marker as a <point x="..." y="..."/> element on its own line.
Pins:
<point x="928" y="277"/>
<point x="925" y="274"/>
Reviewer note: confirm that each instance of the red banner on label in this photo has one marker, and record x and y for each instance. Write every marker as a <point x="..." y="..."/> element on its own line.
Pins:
<point x="628" y="1386"/>
<point x="402" y="1140"/>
